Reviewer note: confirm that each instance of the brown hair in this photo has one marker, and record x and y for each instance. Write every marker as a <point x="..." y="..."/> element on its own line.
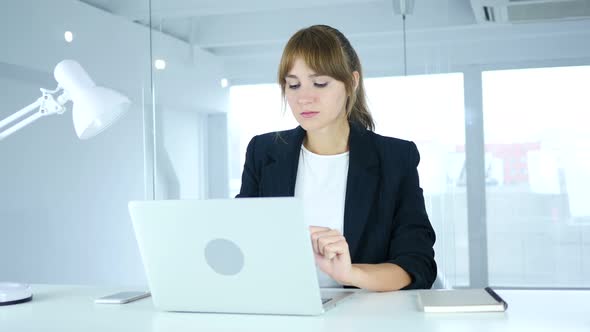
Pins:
<point x="328" y="52"/>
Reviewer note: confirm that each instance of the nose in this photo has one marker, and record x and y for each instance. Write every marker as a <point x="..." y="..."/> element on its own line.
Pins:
<point x="305" y="96"/>
<point x="304" y="101"/>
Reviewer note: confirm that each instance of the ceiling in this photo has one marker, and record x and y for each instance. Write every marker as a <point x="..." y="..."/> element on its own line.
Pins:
<point x="235" y="26"/>
<point x="258" y="29"/>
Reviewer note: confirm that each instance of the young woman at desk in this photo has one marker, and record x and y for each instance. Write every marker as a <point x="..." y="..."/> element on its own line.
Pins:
<point x="368" y="224"/>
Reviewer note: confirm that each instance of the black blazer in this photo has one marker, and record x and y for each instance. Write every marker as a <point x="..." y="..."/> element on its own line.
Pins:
<point x="384" y="216"/>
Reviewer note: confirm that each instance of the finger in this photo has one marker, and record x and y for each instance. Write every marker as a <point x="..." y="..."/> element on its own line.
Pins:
<point x="313" y="229"/>
<point x="327" y="240"/>
<point x="314" y="242"/>
<point x="315" y="232"/>
<point x="327" y="237"/>
<point x="322" y="230"/>
<point x="334" y="249"/>
<point x="315" y="235"/>
<point x="315" y="238"/>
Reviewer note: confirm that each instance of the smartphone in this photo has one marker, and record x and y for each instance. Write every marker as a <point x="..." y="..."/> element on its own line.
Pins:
<point x="122" y="297"/>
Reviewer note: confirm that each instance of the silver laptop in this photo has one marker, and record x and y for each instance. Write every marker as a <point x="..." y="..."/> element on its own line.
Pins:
<point x="248" y="255"/>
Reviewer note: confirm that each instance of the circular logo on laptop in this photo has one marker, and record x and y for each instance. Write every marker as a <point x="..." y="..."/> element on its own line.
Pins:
<point x="224" y="257"/>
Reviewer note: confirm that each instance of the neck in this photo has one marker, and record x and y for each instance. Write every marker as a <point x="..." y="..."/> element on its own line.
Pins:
<point x="328" y="141"/>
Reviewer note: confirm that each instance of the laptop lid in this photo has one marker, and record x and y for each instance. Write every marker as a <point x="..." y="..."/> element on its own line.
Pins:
<point x="249" y="255"/>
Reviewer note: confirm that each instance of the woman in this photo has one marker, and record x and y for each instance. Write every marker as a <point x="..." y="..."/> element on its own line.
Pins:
<point x="368" y="224"/>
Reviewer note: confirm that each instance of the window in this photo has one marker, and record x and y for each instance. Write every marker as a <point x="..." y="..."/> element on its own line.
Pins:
<point x="538" y="146"/>
<point x="254" y="109"/>
<point x="429" y="110"/>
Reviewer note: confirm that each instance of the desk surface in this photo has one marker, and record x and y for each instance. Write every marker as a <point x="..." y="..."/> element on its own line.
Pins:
<point x="72" y="308"/>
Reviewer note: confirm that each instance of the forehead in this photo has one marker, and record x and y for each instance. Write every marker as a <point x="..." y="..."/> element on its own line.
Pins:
<point x="300" y="70"/>
<point x="299" y="66"/>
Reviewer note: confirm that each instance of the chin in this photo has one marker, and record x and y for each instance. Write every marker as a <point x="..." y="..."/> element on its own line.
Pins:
<point x="311" y="125"/>
<point x="318" y="124"/>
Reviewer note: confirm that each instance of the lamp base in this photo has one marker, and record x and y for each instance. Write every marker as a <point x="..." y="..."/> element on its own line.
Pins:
<point x="14" y="293"/>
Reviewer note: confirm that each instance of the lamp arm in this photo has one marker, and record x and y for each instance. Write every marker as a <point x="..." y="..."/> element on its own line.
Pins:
<point x="45" y="105"/>
<point x="20" y="113"/>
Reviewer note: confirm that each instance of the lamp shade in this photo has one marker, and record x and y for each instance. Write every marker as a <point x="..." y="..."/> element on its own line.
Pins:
<point x="94" y="108"/>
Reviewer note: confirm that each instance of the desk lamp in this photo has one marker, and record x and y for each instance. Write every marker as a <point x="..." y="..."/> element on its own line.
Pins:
<point x="94" y="109"/>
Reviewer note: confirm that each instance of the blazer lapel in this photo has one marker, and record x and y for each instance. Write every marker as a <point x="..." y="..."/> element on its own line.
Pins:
<point x="361" y="186"/>
<point x="280" y="171"/>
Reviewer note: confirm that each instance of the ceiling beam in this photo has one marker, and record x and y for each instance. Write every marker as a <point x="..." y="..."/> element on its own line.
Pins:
<point x="267" y="27"/>
<point x="169" y="9"/>
<point x="435" y="37"/>
<point x="353" y="20"/>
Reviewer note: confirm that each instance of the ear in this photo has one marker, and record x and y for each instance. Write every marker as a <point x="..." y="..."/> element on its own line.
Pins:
<point x="356" y="78"/>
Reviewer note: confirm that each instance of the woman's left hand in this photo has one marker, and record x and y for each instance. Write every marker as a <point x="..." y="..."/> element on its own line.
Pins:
<point x="331" y="253"/>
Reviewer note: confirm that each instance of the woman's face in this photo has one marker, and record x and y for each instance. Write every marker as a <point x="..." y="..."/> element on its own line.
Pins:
<point x="318" y="102"/>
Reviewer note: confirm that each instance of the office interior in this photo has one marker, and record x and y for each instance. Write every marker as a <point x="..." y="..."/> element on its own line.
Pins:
<point x="494" y="93"/>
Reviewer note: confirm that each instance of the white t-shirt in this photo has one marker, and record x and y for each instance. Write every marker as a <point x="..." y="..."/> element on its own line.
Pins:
<point x="321" y="184"/>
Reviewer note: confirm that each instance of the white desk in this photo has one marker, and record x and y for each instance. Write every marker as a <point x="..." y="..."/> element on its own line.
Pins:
<point x="72" y="308"/>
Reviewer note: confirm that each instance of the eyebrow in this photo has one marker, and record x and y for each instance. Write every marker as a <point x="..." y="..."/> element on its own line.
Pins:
<point x="295" y="76"/>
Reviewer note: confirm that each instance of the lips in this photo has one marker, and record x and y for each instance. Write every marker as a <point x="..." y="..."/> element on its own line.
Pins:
<point x="309" y="114"/>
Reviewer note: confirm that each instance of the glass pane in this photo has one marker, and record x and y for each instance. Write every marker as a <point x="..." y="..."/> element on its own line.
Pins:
<point x="63" y="210"/>
<point x="428" y="109"/>
<point x="254" y="109"/>
<point x="537" y="162"/>
<point x="189" y="108"/>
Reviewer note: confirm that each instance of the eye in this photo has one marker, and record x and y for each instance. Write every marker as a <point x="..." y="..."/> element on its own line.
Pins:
<point x="320" y="85"/>
<point x="293" y="86"/>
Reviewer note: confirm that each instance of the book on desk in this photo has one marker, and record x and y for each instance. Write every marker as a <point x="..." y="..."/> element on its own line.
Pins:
<point x="461" y="300"/>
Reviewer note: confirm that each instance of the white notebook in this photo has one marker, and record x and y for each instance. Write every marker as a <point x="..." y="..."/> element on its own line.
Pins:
<point x="461" y="300"/>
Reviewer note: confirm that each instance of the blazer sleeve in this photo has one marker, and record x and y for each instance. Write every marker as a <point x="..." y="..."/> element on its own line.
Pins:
<point x="412" y="240"/>
<point x="250" y="175"/>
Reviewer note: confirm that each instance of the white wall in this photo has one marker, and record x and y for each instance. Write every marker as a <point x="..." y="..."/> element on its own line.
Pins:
<point x="63" y="210"/>
<point x="181" y="152"/>
<point x="63" y="202"/>
<point x="218" y="164"/>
